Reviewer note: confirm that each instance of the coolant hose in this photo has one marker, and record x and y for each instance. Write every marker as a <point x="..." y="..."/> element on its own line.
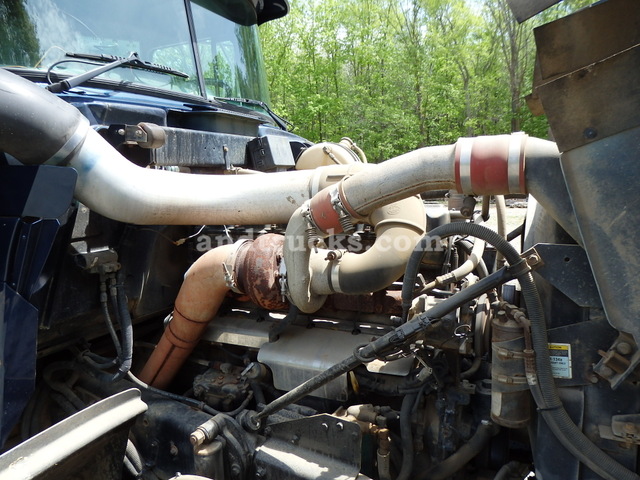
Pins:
<point x="543" y="387"/>
<point x="466" y="453"/>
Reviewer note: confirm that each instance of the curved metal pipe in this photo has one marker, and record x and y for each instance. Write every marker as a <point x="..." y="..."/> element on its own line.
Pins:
<point x="201" y="294"/>
<point x="315" y="274"/>
<point x="491" y="165"/>
<point x="116" y="188"/>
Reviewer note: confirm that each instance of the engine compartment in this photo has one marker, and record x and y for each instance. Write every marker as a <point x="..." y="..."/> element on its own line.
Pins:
<point x="191" y="291"/>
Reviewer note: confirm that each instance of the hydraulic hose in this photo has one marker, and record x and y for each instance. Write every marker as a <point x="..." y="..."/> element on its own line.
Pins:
<point x="543" y="387"/>
<point x="173" y="396"/>
<point x="468" y="266"/>
<point x="406" y="436"/>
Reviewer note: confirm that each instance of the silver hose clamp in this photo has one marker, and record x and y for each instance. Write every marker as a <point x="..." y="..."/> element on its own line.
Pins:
<point x="343" y="215"/>
<point x="229" y="266"/>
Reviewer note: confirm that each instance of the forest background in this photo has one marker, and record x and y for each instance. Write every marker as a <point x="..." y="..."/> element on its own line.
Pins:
<point x="398" y="75"/>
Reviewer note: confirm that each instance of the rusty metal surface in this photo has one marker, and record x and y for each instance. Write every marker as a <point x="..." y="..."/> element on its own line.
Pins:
<point x="257" y="271"/>
<point x="595" y="102"/>
<point x="387" y="302"/>
<point x="194" y="148"/>
<point x="586" y="72"/>
<point x="586" y="37"/>
<point x="524" y="9"/>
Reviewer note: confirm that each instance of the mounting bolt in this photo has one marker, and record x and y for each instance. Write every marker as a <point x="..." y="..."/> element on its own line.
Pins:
<point x="340" y="426"/>
<point x="624" y="348"/>
<point x="235" y="470"/>
<point x="590" y="133"/>
<point x="325" y="426"/>
<point x="295" y="439"/>
<point x="533" y="259"/>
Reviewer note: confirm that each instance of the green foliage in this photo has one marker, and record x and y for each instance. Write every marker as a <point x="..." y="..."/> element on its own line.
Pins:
<point x="18" y="42"/>
<point x="396" y="76"/>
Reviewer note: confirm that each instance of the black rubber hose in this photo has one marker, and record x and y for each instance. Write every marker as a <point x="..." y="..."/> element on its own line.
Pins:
<point x="453" y="463"/>
<point x="545" y="393"/>
<point x="36" y="124"/>
<point x="406" y="436"/>
<point x="110" y="327"/>
<point x="515" y="233"/>
<point x="258" y="394"/>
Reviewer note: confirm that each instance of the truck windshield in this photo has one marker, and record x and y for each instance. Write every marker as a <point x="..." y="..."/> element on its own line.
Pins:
<point x="215" y="42"/>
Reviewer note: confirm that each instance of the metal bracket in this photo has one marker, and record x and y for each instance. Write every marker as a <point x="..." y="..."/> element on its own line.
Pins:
<point x="619" y="362"/>
<point x="624" y="428"/>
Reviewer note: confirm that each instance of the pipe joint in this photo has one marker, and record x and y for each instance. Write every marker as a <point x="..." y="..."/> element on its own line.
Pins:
<point x="491" y="165"/>
<point x="229" y="265"/>
<point x="312" y="236"/>
<point x="330" y="212"/>
<point x="343" y="215"/>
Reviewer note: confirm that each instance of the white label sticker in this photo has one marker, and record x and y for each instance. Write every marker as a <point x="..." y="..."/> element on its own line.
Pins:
<point x="560" y="354"/>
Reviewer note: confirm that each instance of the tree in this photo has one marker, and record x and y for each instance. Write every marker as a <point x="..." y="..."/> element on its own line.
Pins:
<point x="395" y="76"/>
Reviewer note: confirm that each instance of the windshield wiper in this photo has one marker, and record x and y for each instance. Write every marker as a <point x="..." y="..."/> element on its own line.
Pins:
<point x="281" y="122"/>
<point x="133" y="60"/>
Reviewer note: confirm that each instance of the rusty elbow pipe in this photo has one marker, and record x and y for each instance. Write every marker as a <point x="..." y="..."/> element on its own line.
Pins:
<point x="203" y="290"/>
<point x="249" y="267"/>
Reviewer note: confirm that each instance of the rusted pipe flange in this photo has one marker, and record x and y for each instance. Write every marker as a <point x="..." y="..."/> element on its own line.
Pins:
<point x="257" y="271"/>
